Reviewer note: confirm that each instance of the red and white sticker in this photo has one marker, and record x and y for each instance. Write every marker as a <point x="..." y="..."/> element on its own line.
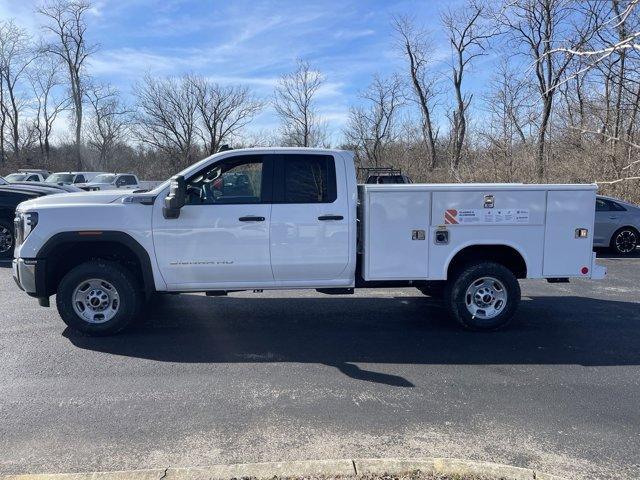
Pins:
<point x="450" y="216"/>
<point x="487" y="216"/>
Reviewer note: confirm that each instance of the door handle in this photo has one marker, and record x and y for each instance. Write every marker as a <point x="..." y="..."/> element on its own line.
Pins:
<point x="613" y="218"/>
<point x="330" y="217"/>
<point x="251" y="218"/>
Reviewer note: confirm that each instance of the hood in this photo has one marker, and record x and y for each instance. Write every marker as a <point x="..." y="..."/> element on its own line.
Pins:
<point x="100" y="197"/>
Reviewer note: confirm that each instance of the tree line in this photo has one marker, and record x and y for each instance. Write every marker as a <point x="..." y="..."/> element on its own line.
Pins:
<point x="562" y="103"/>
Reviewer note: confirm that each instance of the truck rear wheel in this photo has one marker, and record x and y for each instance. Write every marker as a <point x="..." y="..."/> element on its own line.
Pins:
<point x="98" y="298"/>
<point x="483" y="296"/>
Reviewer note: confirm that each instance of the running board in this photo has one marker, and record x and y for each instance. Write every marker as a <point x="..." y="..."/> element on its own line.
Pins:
<point x="335" y="291"/>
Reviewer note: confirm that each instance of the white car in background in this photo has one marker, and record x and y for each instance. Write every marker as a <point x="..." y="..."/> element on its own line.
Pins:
<point x="112" y="181"/>
<point x="71" y="178"/>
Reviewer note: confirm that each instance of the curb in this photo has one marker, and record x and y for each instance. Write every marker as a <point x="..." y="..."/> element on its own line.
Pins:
<point x="267" y="470"/>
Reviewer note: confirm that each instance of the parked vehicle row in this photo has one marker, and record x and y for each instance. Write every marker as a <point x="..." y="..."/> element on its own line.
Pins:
<point x="90" y="181"/>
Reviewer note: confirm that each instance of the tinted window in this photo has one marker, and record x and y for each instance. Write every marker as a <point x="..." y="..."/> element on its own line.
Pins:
<point x="602" y="205"/>
<point x="79" y="179"/>
<point x="617" y="207"/>
<point x="129" y="180"/>
<point x="309" y="179"/>
<point x="237" y="180"/>
<point x="32" y="178"/>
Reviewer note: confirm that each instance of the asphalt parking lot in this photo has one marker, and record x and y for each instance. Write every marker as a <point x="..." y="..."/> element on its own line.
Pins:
<point x="299" y="375"/>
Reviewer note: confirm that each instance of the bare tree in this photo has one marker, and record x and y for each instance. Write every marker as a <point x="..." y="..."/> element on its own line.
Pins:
<point x="16" y="54"/>
<point x="509" y="120"/>
<point x="418" y="51"/>
<point x="50" y="102"/>
<point x="294" y="102"/>
<point x="67" y="26"/>
<point x="467" y="35"/>
<point x="108" y="124"/>
<point x="223" y="111"/>
<point x="166" y="117"/>
<point x="371" y="127"/>
<point x="542" y="27"/>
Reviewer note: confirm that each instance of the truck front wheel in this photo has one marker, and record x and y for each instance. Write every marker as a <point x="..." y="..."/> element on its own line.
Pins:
<point x="483" y="296"/>
<point x="98" y="298"/>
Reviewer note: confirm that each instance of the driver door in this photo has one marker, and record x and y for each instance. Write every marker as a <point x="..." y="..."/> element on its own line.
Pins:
<point x="221" y="238"/>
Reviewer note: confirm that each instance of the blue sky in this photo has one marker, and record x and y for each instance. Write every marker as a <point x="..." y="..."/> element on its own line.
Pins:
<point x="253" y="42"/>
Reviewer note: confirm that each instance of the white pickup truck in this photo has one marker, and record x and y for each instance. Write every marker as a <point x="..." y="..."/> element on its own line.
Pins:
<point x="279" y="218"/>
<point x="111" y="181"/>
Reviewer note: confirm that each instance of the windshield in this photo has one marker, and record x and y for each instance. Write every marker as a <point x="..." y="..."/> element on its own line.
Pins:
<point x="16" y="177"/>
<point x="60" y="178"/>
<point x="104" y="178"/>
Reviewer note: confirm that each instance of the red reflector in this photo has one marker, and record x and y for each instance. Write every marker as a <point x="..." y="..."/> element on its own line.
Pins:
<point x="584" y="270"/>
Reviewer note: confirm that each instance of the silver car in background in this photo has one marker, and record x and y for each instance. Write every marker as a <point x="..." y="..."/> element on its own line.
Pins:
<point x="617" y="225"/>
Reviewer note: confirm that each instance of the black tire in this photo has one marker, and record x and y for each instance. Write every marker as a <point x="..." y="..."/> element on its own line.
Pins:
<point x="457" y="299"/>
<point x="625" y="241"/>
<point x="433" y="289"/>
<point x="127" y="289"/>
<point x="7" y="239"/>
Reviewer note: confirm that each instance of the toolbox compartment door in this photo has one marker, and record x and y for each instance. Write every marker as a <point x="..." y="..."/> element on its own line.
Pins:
<point x="564" y="254"/>
<point x="396" y="226"/>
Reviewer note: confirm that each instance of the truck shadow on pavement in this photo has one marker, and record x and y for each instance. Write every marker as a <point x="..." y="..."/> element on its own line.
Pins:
<point x="344" y="332"/>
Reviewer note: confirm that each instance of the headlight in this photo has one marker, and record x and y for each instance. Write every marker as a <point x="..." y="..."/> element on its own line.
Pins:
<point x="24" y="225"/>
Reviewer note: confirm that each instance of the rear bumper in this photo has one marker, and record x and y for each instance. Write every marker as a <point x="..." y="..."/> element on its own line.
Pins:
<point x="598" y="272"/>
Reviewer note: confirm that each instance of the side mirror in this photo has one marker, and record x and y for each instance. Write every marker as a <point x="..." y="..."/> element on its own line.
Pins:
<point x="176" y="198"/>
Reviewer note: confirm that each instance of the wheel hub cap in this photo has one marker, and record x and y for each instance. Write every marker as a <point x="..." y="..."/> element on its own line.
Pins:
<point x="96" y="300"/>
<point x="486" y="297"/>
<point x="626" y="241"/>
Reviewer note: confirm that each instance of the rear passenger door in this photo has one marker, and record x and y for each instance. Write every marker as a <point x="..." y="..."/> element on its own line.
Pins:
<point x="309" y="220"/>
<point x="607" y="221"/>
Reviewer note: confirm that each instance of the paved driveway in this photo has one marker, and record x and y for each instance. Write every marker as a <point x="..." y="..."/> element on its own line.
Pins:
<point x="298" y="375"/>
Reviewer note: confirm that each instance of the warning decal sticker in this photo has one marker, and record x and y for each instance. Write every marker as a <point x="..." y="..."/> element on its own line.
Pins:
<point x="486" y="216"/>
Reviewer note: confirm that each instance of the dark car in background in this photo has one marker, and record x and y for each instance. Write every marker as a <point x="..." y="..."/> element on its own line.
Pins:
<point x="617" y="225"/>
<point x="10" y="196"/>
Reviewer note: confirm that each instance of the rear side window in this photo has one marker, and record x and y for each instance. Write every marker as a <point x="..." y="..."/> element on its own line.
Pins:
<point x="308" y="179"/>
<point x="602" y="205"/>
<point x="127" y="180"/>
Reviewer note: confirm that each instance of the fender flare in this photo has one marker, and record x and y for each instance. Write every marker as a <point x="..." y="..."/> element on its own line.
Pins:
<point x="105" y="236"/>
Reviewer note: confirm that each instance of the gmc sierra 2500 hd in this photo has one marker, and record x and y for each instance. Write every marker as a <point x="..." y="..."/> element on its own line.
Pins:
<point x="295" y="218"/>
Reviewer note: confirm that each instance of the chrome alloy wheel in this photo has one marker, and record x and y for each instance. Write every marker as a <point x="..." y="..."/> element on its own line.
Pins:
<point x="486" y="298"/>
<point x="96" y="300"/>
<point x="6" y="239"/>
<point x="626" y="241"/>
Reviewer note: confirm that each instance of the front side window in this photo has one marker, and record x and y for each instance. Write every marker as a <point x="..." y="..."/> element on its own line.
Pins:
<point x="79" y="179"/>
<point x="309" y="179"/>
<point x="236" y="180"/>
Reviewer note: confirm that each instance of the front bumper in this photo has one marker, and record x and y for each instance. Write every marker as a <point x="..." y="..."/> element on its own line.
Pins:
<point x="24" y="273"/>
<point x="30" y="275"/>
